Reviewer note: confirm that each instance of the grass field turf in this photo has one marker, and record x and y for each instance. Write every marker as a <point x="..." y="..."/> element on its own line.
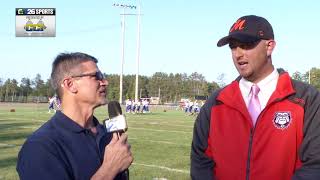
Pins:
<point x="160" y="141"/>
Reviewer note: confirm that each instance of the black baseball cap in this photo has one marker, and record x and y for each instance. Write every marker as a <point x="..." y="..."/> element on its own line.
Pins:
<point x="248" y="29"/>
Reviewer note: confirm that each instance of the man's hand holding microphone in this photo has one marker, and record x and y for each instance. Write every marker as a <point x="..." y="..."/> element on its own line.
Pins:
<point x="117" y="154"/>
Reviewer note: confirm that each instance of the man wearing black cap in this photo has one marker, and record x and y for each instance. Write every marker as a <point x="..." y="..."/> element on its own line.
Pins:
<point x="262" y="126"/>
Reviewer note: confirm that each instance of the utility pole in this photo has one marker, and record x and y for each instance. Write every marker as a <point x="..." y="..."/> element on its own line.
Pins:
<point x="138" y="50"/>
<point x="123" y="6"/>
<point x="309" y="76"/>
<point x="159" y="95"/>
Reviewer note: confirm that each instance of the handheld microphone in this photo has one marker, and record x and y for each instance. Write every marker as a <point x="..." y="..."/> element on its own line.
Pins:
<point x="116" y="122"/>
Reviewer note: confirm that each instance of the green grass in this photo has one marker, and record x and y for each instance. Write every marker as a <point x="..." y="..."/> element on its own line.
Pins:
<point x="160" y="141"/>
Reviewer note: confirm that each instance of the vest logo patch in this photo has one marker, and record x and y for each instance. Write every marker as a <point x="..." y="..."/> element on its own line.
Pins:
<point x="282" y="120"/>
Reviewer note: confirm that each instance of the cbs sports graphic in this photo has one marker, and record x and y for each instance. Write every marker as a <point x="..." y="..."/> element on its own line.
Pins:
<point x="35" y="22"/>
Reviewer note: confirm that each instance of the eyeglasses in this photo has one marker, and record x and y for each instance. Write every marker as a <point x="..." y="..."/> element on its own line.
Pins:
<point x="98" y="75"/>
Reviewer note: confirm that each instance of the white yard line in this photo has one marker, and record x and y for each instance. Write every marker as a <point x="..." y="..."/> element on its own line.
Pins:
<point x="23" y="127"/>
<point x="162" y="167"/>
<point x="24" y="119"/>
<point x="164" y="142"/>
<point x="159" y="130"/>
<point x="160" y="123"/>
<point x="24" y="112"/>
<point x="8" y="145"/>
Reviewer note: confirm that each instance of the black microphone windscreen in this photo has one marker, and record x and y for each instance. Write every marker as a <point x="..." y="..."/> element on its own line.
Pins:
<point x="114" y="109"/>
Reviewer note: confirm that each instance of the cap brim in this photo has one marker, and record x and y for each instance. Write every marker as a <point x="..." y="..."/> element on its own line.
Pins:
<point x="238" y="37"/>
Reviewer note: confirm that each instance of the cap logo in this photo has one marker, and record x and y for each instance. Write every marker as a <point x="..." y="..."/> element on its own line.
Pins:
<point x="239" y="25"/>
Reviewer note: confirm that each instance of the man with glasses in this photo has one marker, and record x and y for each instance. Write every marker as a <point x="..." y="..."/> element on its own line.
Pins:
<point x="73" y="144"/>
<point x="263" y="125"/>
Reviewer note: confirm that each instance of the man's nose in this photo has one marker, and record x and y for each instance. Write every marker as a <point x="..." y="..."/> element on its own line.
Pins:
<point x="104" y="82"/>
<point x="238" y="52"/>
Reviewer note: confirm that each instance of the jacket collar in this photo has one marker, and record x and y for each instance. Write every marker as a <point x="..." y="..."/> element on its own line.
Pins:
<point x="231" y="94"/>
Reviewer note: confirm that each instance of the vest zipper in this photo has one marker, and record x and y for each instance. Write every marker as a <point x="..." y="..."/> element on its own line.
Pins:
<point x="249" y="154"/>
<point x="251" y="138"/>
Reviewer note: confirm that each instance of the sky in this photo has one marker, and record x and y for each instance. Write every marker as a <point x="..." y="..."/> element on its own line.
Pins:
<point x="177" y="36"/>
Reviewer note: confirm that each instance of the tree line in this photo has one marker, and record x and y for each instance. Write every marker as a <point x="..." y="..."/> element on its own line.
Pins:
<point x="170" y="87"/>
<point x="311" y="77"/>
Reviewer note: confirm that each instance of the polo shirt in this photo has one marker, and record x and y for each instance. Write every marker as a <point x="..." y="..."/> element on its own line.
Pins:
<point x="62" y="149"/>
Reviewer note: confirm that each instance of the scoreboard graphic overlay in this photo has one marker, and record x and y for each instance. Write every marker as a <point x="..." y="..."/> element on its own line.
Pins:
<point x="35" y="22"/>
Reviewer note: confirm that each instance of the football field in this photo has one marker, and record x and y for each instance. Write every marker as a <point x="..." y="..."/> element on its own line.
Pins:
<point x="160" y="141"/>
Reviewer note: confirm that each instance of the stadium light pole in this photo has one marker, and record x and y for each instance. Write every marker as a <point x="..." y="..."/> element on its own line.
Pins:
<point x="123" y="6"/>
<point x="138" y="50"/>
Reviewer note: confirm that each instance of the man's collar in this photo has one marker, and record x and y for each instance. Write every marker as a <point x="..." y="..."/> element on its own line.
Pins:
<point x="64" y="122"/>
<point x="263" y="84"/>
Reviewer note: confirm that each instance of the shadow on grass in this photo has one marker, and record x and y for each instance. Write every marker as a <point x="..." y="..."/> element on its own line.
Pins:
<point x="13" y="136"/>
<point x="9" y="146"/>
<point x="15" y="125"/>
<point x="10" y="161"/>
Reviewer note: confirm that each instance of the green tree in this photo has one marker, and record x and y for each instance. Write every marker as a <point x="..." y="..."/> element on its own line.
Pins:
<point x="128" y="86"/>
<point x="178" y="86"/>
<point x="8" y="89"/>
<point x="14" y="89"/>
<point x="48" y="89"/>
<point x="212" y="87"/>
<point x="25" y="86"/>
<point x="2" y="90"/>
<point x="157" y="86"/>
<point x="39" y="88"/>
<point x="142" y="89"/>
<point x="171" y="88"/>
<point x="185" y="89"/>
<point x="315" y="77"/>
<point x="297" y="76"/>
<point x="113" y="87"/>
<point x="198" y="84"/>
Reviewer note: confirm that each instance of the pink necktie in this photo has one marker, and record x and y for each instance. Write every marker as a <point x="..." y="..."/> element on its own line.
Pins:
<point x="254" y="107"/>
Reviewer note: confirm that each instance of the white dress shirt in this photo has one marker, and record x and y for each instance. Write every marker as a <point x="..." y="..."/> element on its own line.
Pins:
<point x="267" y="87"/>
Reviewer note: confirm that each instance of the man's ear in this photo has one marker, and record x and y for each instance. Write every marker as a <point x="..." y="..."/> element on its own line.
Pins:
<point x="69" y="85"/>
<point x="271" y="44"/>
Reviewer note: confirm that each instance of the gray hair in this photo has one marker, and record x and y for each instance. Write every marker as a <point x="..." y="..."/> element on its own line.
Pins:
<point x="63" y="65"/>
